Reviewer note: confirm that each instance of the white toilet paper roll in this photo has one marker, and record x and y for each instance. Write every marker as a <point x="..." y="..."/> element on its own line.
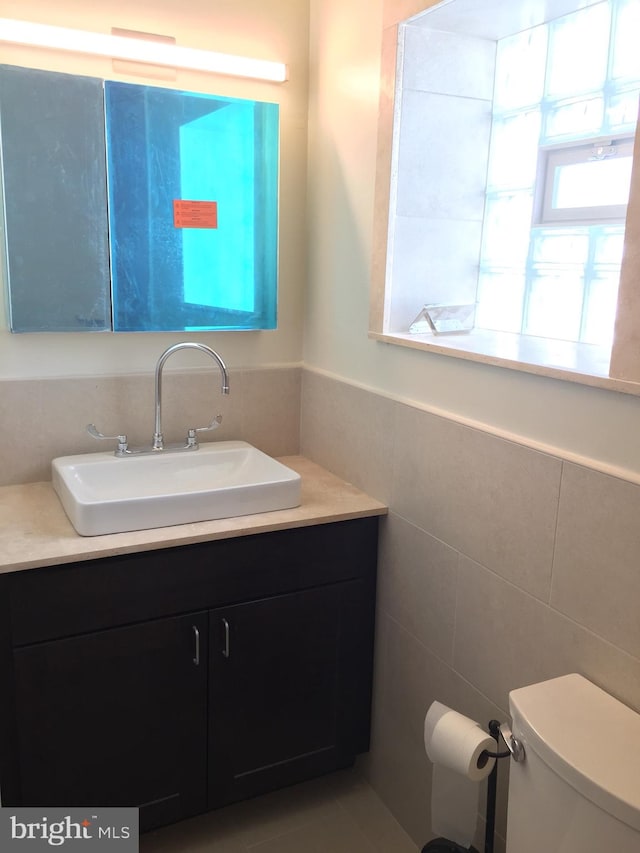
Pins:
<point x="455" y="744"/>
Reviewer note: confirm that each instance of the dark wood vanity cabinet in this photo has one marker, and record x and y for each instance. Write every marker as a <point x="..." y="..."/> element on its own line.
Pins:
<point x="117" y="716"/>
<point x="181" y="680"/>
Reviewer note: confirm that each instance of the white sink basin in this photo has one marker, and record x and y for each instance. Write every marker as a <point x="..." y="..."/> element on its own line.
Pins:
<point x="104" y="494"/>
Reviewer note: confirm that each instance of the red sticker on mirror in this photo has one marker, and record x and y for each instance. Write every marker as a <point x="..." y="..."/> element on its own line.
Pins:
<point x="195" y="214"/>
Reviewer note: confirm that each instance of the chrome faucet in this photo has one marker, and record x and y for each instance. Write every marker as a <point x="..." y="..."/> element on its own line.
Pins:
<point x="157" y="444"/>
<point x="191" y="443"/>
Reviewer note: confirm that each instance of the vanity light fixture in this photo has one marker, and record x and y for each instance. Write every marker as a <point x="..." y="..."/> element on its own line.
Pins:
<point x="139" y="50"/>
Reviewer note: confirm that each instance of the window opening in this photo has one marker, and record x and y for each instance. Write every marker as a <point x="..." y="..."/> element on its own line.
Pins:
<point x="584" y="183"/>
<point x="565" y="107"/>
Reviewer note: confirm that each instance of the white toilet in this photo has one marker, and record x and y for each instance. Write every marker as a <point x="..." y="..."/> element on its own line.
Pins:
<point x="578" y="788"/>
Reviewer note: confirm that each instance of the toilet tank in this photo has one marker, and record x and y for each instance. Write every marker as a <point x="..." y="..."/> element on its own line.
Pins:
<point x="578" y="788"/>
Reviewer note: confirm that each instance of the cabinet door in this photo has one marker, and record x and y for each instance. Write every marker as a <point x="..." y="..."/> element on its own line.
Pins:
<point x="117" y="717"/>
<point x="276" y="691"/>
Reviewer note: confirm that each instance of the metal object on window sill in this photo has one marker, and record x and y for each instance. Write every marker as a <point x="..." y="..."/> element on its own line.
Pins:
<point x="444" y="319"/>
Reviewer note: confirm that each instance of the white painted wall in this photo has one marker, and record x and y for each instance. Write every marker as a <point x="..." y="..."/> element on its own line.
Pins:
<point x="268" y="29"/>
<point x="575" y="420"/>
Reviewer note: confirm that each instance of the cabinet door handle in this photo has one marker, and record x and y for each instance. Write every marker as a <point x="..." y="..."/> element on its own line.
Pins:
<point x="226" y="651"/>
<point x="196" y="637"/>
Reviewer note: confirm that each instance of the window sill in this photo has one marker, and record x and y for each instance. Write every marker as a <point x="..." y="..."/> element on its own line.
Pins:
<point x="582" y="363"/>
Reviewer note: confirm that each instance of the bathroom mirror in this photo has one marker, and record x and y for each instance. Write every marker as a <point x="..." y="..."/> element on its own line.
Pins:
<point x="136" y="208"/>
<point x="55" y="203"/>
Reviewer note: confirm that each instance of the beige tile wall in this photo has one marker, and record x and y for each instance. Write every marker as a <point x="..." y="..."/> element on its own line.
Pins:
<point x="499" y="566"/>
<point x="42" y="419"/>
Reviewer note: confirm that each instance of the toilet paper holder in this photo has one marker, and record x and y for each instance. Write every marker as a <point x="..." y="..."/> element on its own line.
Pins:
<point x="515" y="750"/>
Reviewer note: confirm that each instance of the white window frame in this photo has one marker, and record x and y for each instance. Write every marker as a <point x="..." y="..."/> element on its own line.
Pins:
<point x="551" y="157"/>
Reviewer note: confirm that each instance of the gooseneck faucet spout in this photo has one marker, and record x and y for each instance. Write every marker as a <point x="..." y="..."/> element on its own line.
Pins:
<point x="158" y="440"/>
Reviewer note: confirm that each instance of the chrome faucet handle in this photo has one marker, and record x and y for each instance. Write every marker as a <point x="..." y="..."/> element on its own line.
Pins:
<point x="123" y="444"/>
<point x="192" y="440"/>
<point x="215" y="423"/>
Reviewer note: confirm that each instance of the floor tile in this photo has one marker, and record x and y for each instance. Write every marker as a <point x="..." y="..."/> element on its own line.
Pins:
<point x="338" y="834"/>
<point x="365" y="808"/>
<point x="215" y="832"/>
<point x="288" y="810"/>
<point x="338" y="813"/>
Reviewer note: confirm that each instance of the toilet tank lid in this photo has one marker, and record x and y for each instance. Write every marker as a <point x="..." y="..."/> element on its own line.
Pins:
<point x="587" y="737"/>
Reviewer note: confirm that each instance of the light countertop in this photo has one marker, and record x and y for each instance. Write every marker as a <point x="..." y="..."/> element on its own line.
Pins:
<point x="35" y="532"/>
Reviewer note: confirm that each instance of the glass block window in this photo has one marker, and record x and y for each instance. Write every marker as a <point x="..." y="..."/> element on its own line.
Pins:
<point x="565" y="109"/>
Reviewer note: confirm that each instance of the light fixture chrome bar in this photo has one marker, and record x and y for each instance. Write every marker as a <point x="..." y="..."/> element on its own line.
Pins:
<point x="139" y="50"/>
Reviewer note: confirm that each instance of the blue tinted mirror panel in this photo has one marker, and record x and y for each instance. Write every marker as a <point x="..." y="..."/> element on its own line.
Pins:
<point x="55" y="201"/>
<point x="193" y="207"/>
